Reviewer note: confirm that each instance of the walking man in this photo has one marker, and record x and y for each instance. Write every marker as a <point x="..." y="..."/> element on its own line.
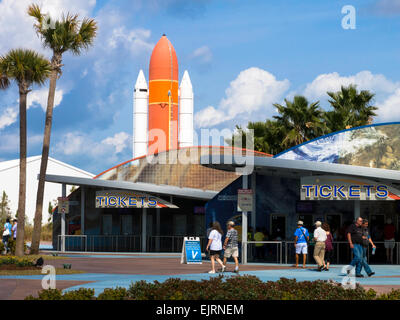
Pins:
<point x="366" y="241"/>
<point x="319" y="249"/>
<point x="231" y="245"/>
<point x="354" y="237"/>
<point x="301" y="238"/>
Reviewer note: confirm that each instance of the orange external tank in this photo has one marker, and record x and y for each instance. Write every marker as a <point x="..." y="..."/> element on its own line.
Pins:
<point x="163" y="98"/>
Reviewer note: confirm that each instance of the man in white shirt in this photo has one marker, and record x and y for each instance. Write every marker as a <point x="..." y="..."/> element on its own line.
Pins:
<point x="319" y="249"/>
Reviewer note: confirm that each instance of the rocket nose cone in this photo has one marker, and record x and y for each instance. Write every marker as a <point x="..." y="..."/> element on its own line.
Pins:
<point x="186" y="83"/>
<point x="141" y="81"/>
<point x="163" y="61"/>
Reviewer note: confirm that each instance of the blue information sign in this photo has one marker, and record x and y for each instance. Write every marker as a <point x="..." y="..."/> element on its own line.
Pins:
<point x="192" y="251"/>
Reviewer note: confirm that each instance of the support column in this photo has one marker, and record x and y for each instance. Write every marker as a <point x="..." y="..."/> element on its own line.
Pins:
<point x="83" y="194"/>
<point x="357" y="209"/>
<point x="158" y="218"/>
<point x="144" y="229"/>
<point x="245" y="185"/>
<point x="63" y="194"/>
<point x="254" y="212"/>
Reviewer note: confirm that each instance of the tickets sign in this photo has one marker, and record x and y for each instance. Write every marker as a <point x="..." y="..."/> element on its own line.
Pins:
<point x="126" y="199"/>
<point x="345" y="188"/>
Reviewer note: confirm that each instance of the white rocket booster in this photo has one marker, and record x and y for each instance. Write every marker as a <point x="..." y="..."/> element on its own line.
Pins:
<point x="140" y="116"/>
<point x="185" y="112"/>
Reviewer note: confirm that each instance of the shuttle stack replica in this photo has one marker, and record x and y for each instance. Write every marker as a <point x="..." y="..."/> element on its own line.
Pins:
<point x="163" y="112"/>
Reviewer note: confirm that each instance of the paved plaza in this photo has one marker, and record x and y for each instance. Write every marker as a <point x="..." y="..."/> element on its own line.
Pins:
<point x="111" y="270"/>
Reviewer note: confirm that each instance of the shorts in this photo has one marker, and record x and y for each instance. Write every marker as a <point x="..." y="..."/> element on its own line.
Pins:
<point x="215" y="253"/>
<point x="389" y="244"/>
<point x="301" y="248"/>
<point x="231" y="252"/>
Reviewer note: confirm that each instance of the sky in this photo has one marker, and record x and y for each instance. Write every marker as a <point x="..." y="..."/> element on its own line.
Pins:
<point x="242" y="56"/>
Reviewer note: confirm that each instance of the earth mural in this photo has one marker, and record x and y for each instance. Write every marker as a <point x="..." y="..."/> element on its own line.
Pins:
<point x="374" y="146"/>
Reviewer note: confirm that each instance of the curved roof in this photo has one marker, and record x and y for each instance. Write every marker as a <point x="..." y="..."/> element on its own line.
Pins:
<point x="180" y="168"/>
<point x="374" y="146"/>
<point x="163" y="61"/>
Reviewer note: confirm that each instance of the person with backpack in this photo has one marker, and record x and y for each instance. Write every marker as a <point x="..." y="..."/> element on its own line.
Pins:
<point x="215" y="246"/>
<point x="6" y="234"/>
<point x="301" y="238"/>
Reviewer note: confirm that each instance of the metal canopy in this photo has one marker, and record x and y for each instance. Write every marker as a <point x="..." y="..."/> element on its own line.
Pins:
<point x="299" y="168"/>
<point x="126" y="185"/>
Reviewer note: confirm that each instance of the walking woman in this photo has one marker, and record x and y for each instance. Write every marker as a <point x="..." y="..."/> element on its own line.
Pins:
<point x="328" y="246"/>
<point x="215" y="246"/>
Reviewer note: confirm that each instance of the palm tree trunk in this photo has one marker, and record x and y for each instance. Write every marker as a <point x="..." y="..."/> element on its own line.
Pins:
<point x="37" y="226"/>
<point x="19" y="249"/>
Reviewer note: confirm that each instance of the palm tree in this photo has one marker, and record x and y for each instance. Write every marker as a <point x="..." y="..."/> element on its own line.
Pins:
<point x="25" y="67"/>
<point x="66" y="34"/>
<point x="350" y="108"/>
<point x="302" y="121"/>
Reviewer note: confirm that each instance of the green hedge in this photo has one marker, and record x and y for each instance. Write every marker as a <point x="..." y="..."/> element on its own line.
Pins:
<point x="17" y="261"/>
<point x="220" y="288"/>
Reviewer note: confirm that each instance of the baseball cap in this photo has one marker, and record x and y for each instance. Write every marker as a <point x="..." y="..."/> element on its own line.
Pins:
<point x="318" y="223"/>
<point x="299" y="223"/>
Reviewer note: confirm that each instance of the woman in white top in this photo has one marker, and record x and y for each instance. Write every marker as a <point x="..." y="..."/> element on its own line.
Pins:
<point x="215" y="246"/>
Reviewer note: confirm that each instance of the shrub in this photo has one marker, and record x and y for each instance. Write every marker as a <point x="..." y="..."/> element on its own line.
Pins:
<point x="17" y="261"/>
<point x="220" y="288"/>
<point x="48" y="294"/>
<point x="113" y="294"/>
<point x="80" y="294"/>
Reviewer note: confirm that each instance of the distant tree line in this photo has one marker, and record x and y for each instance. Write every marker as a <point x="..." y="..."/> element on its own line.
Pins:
<point x="299" y="121"/>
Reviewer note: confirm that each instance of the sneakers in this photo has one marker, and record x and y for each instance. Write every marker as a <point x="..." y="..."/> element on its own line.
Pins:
<point x="236" y="270"/>
<point x="223" y="269"/>
<point x="211" y="271"/>
<point x="359" y="276"/>
<point x="371" y="274"/>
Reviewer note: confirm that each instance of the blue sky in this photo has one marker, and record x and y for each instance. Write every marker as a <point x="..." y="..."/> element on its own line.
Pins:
<point x="242" y="56"/>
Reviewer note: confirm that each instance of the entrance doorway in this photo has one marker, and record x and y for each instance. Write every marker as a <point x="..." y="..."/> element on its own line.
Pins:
<point x="307" y="219"/>
<point x="377" y="222"/>
<point x="334" y="221"/>
<point x="278" y="227"/>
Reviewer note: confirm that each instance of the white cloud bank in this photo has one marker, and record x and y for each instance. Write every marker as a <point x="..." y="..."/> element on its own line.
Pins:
<point x="254" y="90"/>
<point x="251" y="95"/>
<point x="387" y="92"/>
<point x="78" y="143"/>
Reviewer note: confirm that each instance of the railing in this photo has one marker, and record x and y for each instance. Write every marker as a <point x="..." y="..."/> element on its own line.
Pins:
<point x="169" y="243"/>
<point x="265" y="251"/>
<point x="101" y="243"/>
<point x="257" y="251"/>
<point x="72" y="242"/>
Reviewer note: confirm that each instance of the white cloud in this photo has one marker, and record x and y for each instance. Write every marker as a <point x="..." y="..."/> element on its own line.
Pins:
<point x="387" y="92"/>
<point x="135" y="40"/>
<point x="389" y="109"/>
<point x="74" y="143"/>
<point x="115" y="41"/>
<point x="251" y="94"/>
<point x="8" y="117"/>
<point x="15" y="21"/>
<point x="202" y="54"/>
<point x="39" y="97"/>
<point x="365" y="80"/>
<point x="119" y="141"/>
